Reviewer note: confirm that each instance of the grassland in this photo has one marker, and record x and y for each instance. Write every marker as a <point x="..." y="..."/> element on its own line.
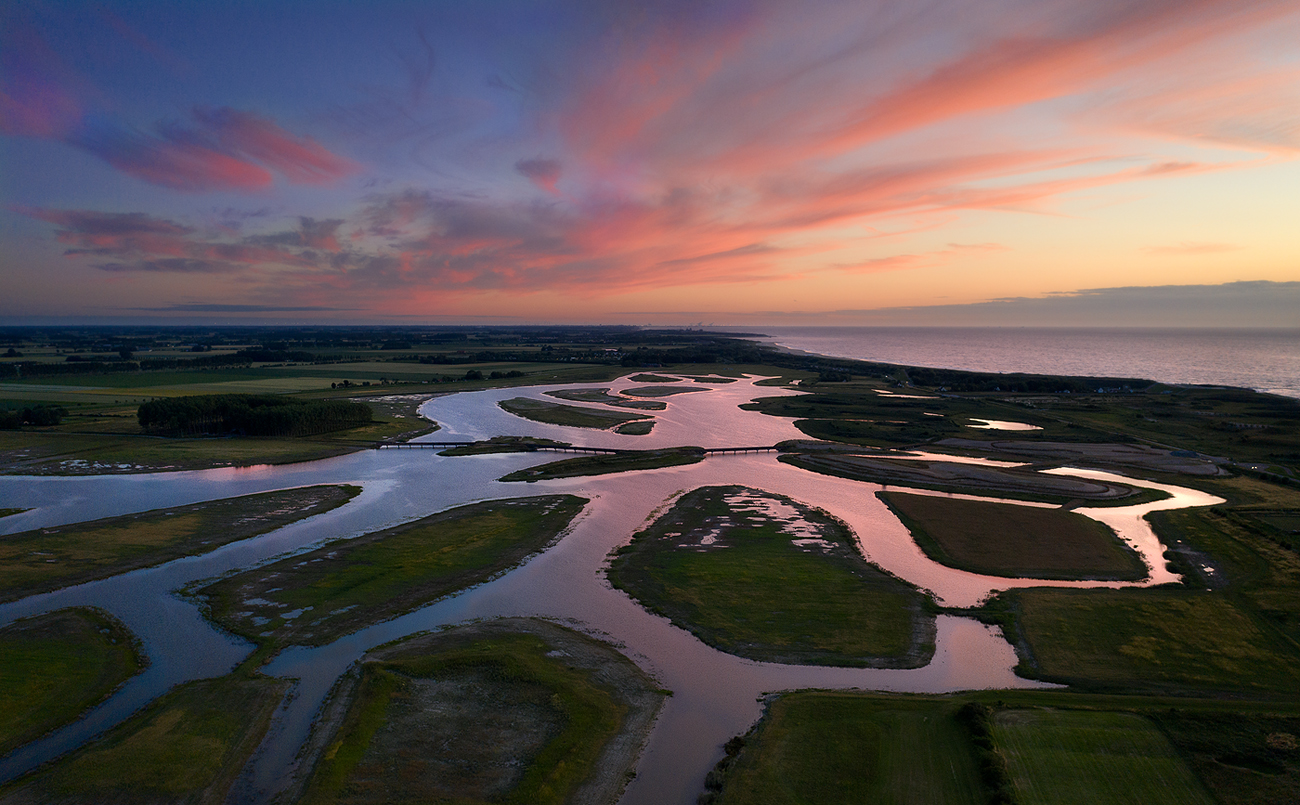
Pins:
<point x="639" y="428"/>
<point x="1047" y="747"/>
<point x="512" y="711"/>
<point x="7" y="512"/>
<point x="1003" y="539"/>
<point x="571" y="415"/>
<point x="55" y="666"/>
<point x="59" y="556"/>
<point x="815" y="747"/>
<point x="1083" y="757"/>
<point x="767" y="578"/>
<point x="963" y="478"/>
<point x="188" y="746"/>
<point x="608" y="463"/>
<point x="315" y="597"/>
<point x="1154" y="640"/>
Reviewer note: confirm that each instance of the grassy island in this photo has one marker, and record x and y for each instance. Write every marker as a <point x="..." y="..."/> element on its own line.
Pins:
<point x="603" y="464"/>
<point x="1003" y="539"/>
<point x="504" y="711"/>
<point x="315" y="597"/>
<point x="55" y="666"/>
<point x="49" y="558"/>
<point x="571" y="415"/>
<point x="765" y="577"/>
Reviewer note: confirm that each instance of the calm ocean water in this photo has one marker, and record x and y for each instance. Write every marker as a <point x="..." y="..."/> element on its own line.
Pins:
<point x="1267" y="360"/>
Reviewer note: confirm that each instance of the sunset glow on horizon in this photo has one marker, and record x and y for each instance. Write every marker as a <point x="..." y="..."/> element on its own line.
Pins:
<point x="587" y="162"/>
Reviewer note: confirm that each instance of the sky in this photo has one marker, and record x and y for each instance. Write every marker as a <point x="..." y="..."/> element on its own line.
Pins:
<point x="1004" y="162"/>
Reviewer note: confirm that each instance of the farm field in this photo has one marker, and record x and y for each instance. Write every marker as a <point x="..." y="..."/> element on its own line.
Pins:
<point x="1085" y="757"/>
<point x="1164" y="640"/>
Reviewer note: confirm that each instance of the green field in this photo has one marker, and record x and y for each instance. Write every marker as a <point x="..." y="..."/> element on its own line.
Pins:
<point x="481" y="714"/>
<point x="188" y="746"/>
<point x="571" y="415"/>
<point x="1153" y="640"/>
<point x="603" y="464"/>
<point x="1003" y="539"/>
<point x="764" y="577"/>
<point x="816" y="748"/>
<point x="49" y="558"/>
<point x="55" y="666"/>
<point x="315" y="597"/>
<point x="1079" y="757"/>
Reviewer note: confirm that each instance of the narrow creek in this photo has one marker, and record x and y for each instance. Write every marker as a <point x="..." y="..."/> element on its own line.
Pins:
<point x="715" y="695"/>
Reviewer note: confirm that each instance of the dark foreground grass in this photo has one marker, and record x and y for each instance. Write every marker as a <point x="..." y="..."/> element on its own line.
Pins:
<point x="315" y="597"/>
<point x="764" y="577"/>
<point x="485" y="715"/>
<point x="49" y="558"/>
<point x="189" y="746"/>
<point x="1003" y="539"/>
<point x="604" y="464"/>
<point x="816" y="748"/>
<point x="55" y="666"/>
<point x="1077" y="757"/>
<point x="1033" y="747"/>
<point x="571" y="415"/>
<point x="1162" y="640"/>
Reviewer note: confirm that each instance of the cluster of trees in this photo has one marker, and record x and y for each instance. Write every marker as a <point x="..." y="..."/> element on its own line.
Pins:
<point x="250" y="415"/>
<point x="43" y="415"/>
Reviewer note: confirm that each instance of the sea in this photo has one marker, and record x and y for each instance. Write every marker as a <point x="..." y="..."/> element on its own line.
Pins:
<point x="1267" y="360"/>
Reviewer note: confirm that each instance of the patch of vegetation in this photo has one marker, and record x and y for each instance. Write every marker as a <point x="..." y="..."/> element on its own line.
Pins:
<point x="517" y="711"/>
<point x="1168" y="640"/>
<point x="658" y="391"/>
<point x="603" y="464"/>
<point x="815" y="748"/>
<point x="765" y="577"/>
<point x="59" y="556"/>
<point x="188" y="746"/>
<point x="1074" y="756"/>
<point x="557" y="414"/>
<point x="7" y="512"/>
<point x="503" y="444"/>
<point x="1242" y="757"/>
<point x="645" y="378"/>
<point x="971" y="479"/>
<point x="55" y="666"/>
<point x="1011" y="746"/>
<point x="1003" y="539"/>
<point x="636" y="428"/>
<point x="315" y="597"/>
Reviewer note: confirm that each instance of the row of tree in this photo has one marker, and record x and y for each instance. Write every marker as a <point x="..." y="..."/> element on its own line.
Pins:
<point x="250" y="415"/>
<point x="43" y="415"/>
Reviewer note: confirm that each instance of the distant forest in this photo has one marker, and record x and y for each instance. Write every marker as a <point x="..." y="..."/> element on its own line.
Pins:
<point x="250" y="415"/>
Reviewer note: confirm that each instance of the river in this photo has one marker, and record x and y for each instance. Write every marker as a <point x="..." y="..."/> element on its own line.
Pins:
<point x="715" y="696"/>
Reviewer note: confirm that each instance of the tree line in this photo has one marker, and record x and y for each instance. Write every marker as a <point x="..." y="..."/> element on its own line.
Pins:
<point x="250" y="415"/>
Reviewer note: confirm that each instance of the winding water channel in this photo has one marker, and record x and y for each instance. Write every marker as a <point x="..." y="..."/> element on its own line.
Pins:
<point x="715" y="696"/>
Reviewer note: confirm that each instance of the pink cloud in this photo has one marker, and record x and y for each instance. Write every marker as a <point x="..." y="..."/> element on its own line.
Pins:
<point x="300" y="159"/>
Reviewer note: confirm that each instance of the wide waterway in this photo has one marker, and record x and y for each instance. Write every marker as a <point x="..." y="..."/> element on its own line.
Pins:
<point x="715" y="696"/>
